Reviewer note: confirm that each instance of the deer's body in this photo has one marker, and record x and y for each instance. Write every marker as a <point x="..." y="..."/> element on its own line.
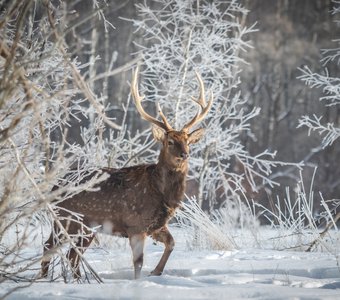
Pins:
<point x="137" y="201"/>
<point x="150" y="193"/>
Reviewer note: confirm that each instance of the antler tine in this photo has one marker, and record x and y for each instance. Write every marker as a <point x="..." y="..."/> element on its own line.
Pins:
<point x="201" y="102"/>
<point x="165" y="121"/>
<point x="201" y="98"/>
<point x="138" y="102"/>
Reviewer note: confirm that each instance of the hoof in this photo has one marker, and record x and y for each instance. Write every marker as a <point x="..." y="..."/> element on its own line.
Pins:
<point x="155" y="273"/>
<point x="42" y="274"/>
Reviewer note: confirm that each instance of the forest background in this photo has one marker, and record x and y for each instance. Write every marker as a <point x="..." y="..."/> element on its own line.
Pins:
<point x="291" y="35"/>
<point x="271" y="135"/>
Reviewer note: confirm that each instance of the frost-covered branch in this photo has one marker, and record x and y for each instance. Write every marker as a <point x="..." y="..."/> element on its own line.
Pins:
<point x="184" y="36"/>
<point x="329" y="131"/>
<point x="43" y="94"/>
<point x="330" y="87"/>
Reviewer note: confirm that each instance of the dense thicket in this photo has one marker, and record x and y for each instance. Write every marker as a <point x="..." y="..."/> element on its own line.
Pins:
<point x="290" y="35"/>
<point x="65" y="106"/>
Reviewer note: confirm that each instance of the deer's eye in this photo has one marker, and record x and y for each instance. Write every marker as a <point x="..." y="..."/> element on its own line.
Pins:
<point x="171" y="142"/>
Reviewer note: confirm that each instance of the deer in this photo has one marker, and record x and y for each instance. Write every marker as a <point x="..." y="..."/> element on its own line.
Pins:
<point x="137" y="201"/>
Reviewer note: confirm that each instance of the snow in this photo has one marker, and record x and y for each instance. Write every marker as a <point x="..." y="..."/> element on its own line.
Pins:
<point x="200" y="274"/>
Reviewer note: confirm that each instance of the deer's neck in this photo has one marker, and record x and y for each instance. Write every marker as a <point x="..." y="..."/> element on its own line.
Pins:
<point x="172" y="180"/>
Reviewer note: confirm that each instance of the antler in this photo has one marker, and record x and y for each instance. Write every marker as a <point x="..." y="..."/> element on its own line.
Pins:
<point x="138" y="99"/>
<point x="201" y="102"/>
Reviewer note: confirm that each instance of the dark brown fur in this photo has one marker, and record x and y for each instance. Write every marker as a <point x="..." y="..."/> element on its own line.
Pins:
<point x="137" y="201"/>
<point x="133" y="202"/>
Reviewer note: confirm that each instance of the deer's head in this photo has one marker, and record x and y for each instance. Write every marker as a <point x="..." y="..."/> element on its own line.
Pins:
<point x="175" y="143"/>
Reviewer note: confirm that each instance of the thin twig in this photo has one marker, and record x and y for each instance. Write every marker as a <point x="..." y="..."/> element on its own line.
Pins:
<point x="330" y="224"/>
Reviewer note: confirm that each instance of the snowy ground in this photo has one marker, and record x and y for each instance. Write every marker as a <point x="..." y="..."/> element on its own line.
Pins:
<point x="238" y="274"/>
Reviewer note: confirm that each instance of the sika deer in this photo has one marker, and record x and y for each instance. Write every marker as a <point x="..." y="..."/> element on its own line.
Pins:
<point x="138" y="201"/>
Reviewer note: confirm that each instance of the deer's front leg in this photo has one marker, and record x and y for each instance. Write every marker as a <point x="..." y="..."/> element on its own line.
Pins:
<point x="164" y="236"/>
<point x="137" y="247"/>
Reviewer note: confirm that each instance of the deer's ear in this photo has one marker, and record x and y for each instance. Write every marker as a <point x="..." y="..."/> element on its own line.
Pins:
<point x="195" y="136"/>
<point x="158" y="133"/>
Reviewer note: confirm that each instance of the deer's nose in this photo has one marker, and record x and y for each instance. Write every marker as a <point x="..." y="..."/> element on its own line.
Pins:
<point x="185" y="155"/>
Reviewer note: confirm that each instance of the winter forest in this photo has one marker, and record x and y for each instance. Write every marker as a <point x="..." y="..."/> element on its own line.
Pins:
<point x="260" y="214"/>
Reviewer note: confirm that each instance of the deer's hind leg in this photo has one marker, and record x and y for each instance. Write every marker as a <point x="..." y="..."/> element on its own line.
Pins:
<point x="164" y="236"/>
<point x="49" y="245"/>
<point x="82" y="244"/>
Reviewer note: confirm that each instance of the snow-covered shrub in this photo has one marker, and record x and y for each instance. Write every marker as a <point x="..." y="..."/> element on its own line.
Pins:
<point x="295" y="224"/>
<point x="201" y="231"/>
<point x="42" y="94"/>
<point x="184" y="36"/>
<point x="330" y="85"/>
<point x="233" y="225"/>
<point x="298" y="215"/>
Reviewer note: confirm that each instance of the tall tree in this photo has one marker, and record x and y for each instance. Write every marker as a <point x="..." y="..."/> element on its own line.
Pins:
<point x="184" y="37"/>
<point x="326" y="125"/>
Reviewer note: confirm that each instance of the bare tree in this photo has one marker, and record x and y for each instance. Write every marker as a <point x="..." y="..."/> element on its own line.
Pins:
<point x="208" y="37"/>
<point x="327" y="125"/>
<point x="43" y="92"/>
<point x="289" y="36"/>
